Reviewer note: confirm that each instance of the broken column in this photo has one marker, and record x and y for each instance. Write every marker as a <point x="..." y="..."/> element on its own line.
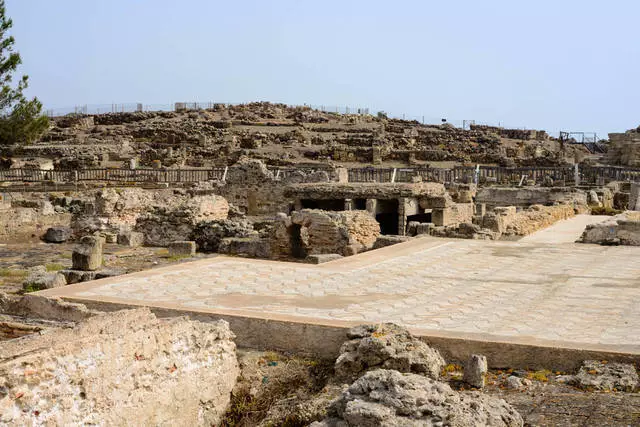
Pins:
<point x="475" y="371"/>
<point x="87" y="256"/>
<point x="634" y="197"/>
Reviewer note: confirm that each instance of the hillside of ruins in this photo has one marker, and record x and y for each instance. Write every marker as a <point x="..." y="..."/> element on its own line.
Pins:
<point x="100" y="201"/>
<point x="277" y="262"/>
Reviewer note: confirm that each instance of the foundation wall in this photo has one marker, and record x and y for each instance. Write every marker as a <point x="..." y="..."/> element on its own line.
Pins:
<point x="324" y="340"/>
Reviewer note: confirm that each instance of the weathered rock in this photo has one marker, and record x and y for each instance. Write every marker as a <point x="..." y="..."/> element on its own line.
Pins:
<point x="109" y="272"/>
<point x="57" y="234"/>
<point x="182" y="248"/>
<point x="253" y="247"/>
<point x="597" y="375"/>
<point x="117" y="369"/>
<point x="39" y="279"/>
<point x="513" y="382"/>
<point x="622" y="229"/>
<point x="87" y="255"/>
<point x="77" y="276"/>
<point x="131" y="238"/>
<point x="386" y="346"/>
<point x="391" y="399"/>
<point x="475" y="371"/>
<point x="383" y="241"/>
<point x="209" y="234"/>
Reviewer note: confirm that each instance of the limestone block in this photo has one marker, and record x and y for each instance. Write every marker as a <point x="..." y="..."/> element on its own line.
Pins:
<point x="441" y="216"/>
<point x="475" y="371"/>
<point x="322" y="258"/>
<point x="87" y="255"/>
<point x="121" y="368"/>
<point x="182" y="248"/>
<point x="131" y="238"/>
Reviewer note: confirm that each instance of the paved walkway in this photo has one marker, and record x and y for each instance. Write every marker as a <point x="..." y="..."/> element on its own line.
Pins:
<point x="567" y="294"/>
<point x="565" y="231"/>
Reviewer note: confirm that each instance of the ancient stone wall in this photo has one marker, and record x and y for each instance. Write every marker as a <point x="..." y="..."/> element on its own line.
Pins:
<point x="313" y="231"/>
<point x="121" y="368"/>
<point x="624" y="148"/>
<point x="162" y="215"/>
<point x="19" y="223"/>
<point x="524" y="197"/>
<point x="507" y="222"/>
<point x="256" y="190"/>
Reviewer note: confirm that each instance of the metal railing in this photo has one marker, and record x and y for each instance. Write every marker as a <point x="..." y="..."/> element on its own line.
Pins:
<point x="586" y="175"/>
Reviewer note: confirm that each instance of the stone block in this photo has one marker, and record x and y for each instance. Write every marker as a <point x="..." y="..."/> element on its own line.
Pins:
<point x="40" y="279"/>
<point x="441" y="216"/>
<point x="475" y="371"/>
<point x="78" y="276"/>
<point x="182" y="248"/>
<point x="423" y="228"/>
<point x="87" y="255"/>
<point x="245" y="246"/>
<point x="383" y="241"/>
<point x="57" y="234"/>
<point x="322" y="258"/>
<point x="131" y="238"/>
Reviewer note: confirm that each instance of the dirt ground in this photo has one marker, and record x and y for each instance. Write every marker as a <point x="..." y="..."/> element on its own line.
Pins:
<point x="16" y="258"/>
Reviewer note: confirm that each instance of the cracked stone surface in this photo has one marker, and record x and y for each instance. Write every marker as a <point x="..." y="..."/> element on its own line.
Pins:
<point x="540" y="289"/>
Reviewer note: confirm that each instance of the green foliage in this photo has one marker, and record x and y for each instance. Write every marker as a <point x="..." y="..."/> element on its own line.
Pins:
<point x="21" y="120"/>
<point x="31" y="288"/>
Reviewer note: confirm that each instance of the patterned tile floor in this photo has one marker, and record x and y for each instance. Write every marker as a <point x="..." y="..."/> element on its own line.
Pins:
<point x="542" y="289"/>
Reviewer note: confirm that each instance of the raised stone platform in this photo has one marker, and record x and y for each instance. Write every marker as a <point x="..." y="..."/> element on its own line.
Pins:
<point x="545" y="299"/>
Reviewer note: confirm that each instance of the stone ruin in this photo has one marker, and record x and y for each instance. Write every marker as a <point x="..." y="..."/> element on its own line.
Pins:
<point x="112" y="368"/>
<point x="624" y="148"/>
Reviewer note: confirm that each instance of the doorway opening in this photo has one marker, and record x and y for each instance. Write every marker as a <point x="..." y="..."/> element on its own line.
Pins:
<point x="387" y="216"/>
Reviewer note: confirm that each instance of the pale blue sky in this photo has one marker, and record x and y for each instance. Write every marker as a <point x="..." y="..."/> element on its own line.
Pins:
<point x="571" y="65"/>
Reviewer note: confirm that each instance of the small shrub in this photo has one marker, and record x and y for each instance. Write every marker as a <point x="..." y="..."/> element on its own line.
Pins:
<point x="539" y="375"/>
<point x="601" y="210"/>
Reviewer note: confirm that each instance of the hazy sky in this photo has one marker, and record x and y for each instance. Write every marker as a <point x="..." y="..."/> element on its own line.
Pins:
<point x="561" y="64"/>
